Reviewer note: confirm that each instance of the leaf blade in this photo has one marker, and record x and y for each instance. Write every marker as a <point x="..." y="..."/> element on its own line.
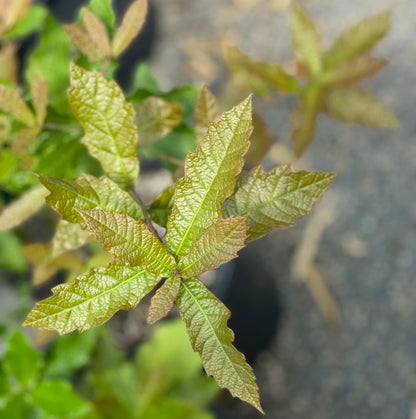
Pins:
<point x="357" y="39"/>
<point x="206" y="321"/>
<point x="108" y="121"/>
<point x="88" y="192"/>
<point x="22" y="208"/>
<point x="219" y="244"/>
<point x="133" y="21"/>
<point x="129" y="240"/>
<point x="351" y="104"/>
<point x="162" y="302"/>
<point x="11" y="103"/>
<point x="97" y="33"/>
<point x="305" y="39"/>
<point x="92" y="299"/>
<point x="209" y="178"/>
<point x="206" y="110"/>
<point x="275" y="199"/>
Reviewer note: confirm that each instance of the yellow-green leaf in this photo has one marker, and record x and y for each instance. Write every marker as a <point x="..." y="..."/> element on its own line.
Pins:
<point x="108" y="122"/>
<point x="155" y="118"/>
<point x="23" y="207"/>
<point x="11" y="103"/>
<point x="162" y="302"/>
<point x="68" y="236"/>
<point x="357" y="39"/>
<point x="305" y="39"/>
<point x="206" y="321"/>
<point x="304" y="118"/>
<point x="209" y="178"/>
<point x="161" y="207"/>
<point x="356" y="69"/>
<point x="129" y="241"/>
<point x="256" y="75"/>
<point x="206" y="110"/>
<point x="351" y="104"/>
<point x="133" y="21"/>
<point x="92" y="299"/>
<point x="219" y="244"/>
<point x="88" y="192"/>
<point x="275" y="199"/>
<point x="97" y="33"/>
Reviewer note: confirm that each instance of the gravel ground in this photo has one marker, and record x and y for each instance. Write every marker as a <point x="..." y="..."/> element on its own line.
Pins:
<point x="364" y="366"/>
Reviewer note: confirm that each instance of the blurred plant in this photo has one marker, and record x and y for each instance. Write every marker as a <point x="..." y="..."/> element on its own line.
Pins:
<point x="164" y="378"/>
<point x="323" y="81"/>
<point x="208" y="214"/>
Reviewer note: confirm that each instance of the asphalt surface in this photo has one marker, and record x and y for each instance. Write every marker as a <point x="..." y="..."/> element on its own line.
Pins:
<point x="365" y="365"/>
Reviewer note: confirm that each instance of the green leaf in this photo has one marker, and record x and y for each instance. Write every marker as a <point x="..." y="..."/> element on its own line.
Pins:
<point x="103" y="9"/>
<point x="18" y="406"/>
<point x="168" y="349"/>
<point x="305" y="39"/>
<point x="206" y="321"/>
<point x="144" y="79"/>
<point x="156" y="118"/>
<point x="129" y="241"/>
<point x="68" y="236"/>
<point x="186" y="95"/>
<point x="356" y="69"/>
<point x="162" y="302"/>
<point x="161" y="207"/>
<point x="57" y="397"/>
<point x="21" y="360"/>
<point x="133" y="21"/>
<point x="357" y="39"/>
<point x="69" y="354"/>
<point x="11" y="103"/>
<point x="11" y="257"/>
<point x="256" y="75"/>
<point x="209" y="178"/>
<point x="62" y="155"/>
<point x="22" y="208"/>
<point x="175" y="409"/>
<point x="219" y="244"/>
<point x="108" y="122"/>
<point x="50" y="59"/>
<point x="87" y="192"/>
<point x="32" y="21"/>
<point x="92" y="298"/>
<point x="351" y="104"/>
<point x="304" y="118"/>
<point x="206" y="110"/>
<point x="174" y="146"/>
<point x="275" y="199"/>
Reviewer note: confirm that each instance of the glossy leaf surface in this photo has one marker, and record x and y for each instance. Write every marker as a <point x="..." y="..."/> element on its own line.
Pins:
<point x="206" y="320"/>
<point x="108" y="122"/>
<point x="219" y="244"/>
<point x="163" y="300"/>
<point x="92" y="299"/>
<point x="129" y="240"/>
<point x="275" y="199"/>
<point x="88" y="192"/>
<point x="209" y="178"/>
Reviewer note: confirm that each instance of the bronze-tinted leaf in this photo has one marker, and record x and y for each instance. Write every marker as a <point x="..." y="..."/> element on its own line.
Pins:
<point x="351" y="104"/>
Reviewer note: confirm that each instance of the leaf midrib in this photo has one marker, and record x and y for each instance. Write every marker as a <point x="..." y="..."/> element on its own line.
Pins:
<point x="208" y="190"/>
<point x="151" y="255"/>
<point x="217" y="338"/>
